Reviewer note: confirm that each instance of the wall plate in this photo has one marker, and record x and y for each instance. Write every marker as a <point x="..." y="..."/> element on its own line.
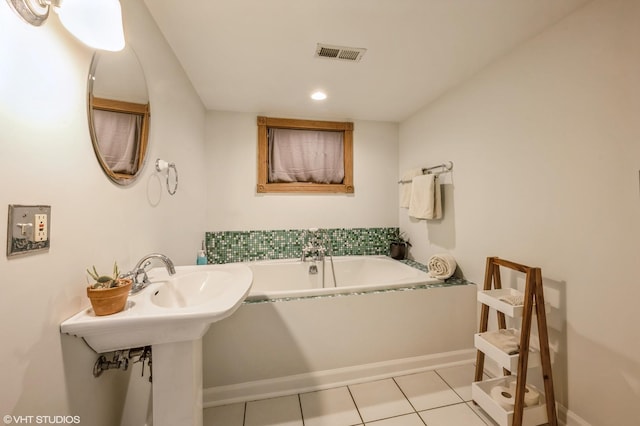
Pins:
<point x="22" y="235"/>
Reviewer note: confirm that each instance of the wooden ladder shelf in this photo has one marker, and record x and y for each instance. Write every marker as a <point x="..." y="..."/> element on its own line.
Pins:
<point x="533" y="298"/>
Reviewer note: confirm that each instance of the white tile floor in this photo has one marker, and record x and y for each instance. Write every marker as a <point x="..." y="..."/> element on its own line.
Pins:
<point x="433" y="398"/>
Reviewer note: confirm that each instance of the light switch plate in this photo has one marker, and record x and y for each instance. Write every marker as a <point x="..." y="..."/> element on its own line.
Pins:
<point x="23" y="233"/>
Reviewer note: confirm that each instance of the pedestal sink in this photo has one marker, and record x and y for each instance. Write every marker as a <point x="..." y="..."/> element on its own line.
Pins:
<point x="171" y="315"/>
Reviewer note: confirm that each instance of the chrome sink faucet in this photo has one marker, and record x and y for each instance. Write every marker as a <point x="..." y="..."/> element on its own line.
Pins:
<point x="140" y="269"/>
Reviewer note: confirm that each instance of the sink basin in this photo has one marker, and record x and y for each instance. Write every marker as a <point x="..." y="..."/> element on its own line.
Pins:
<point x="171" y="309"/>
<point x="192" y="289"/>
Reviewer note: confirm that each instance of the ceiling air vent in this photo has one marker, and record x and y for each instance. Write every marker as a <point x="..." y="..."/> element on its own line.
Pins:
<point x="353" y="54"/>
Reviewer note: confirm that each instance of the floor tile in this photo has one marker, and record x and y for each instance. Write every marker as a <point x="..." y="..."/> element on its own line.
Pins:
<point x="459" y="378"/>
<point x="379" y="399"/>
<point x="282" y="411"/>
<point x="427" y="390"/>
<point x="480" y="412"/>
<point x="458" y="414"/>
<point x="331" y="407"/>
<point x="406" y="420"/>
<point x="228" y="415"/>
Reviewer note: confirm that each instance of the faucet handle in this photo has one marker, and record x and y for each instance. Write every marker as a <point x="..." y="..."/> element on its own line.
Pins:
<point x="135" y="273"/>
<point x="145" y="278"/>
<point x="129" y="274"/>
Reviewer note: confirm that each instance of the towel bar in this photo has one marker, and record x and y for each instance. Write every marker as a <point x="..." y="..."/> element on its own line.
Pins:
<point x="446" y="167"/>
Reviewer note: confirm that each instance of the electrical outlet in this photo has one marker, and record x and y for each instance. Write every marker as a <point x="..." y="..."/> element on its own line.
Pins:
<point x="40" y="228"/>
<point x="28" y="229"/>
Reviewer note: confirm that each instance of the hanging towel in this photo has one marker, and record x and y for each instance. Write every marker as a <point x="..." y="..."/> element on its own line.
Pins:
<point x="441" y="266"/>
<point x="405" y="186"/>
<point x="426" y="201"/>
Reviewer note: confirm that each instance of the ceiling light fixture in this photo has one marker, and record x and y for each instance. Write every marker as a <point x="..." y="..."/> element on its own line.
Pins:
<point x="318" y="96"/>
<point x="96" y="23"/>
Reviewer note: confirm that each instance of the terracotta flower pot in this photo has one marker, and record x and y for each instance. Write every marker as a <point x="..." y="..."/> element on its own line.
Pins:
<point x="107" y="301"/>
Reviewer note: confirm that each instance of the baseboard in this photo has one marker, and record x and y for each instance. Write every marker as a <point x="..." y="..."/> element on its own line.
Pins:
<point x="318" y="380"/>
<point x="569" y="418"/>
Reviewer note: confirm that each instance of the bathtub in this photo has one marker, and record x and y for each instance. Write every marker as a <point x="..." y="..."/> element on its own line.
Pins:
<point x="292" y="335"/>
<point x="289" y="278"/>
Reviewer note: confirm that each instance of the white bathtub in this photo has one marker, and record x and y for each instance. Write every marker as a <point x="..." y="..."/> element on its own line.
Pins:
<point x="275" y="279"/>
<point x="292" y="335"/>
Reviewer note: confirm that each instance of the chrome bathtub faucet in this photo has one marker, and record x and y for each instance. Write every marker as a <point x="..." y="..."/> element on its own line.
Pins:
<point x="316" y="253"/>
<point x="141" y="269"/>
<point x="315" y="243"/>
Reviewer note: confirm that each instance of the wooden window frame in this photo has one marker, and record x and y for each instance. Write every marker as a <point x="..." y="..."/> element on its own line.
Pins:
<point x="264" y="186"/>
<point x="126" y="108"/>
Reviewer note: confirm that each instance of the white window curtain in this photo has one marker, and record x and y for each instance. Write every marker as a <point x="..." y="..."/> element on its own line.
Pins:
<point x="306" y="156"/>
<point x="118" y="137"/>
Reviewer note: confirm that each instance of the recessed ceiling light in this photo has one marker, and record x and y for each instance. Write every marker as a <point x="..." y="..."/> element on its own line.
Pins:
<point x="318" y="96"/>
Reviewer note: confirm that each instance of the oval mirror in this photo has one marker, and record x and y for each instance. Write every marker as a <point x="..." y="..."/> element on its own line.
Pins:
<point x="118" y="113"/>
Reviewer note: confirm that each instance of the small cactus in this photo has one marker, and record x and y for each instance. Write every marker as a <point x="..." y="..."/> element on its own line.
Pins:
<point x="104" y="281"/>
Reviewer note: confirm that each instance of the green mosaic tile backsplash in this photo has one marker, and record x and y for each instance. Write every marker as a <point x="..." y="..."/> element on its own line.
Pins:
<point x="241" y="246"/>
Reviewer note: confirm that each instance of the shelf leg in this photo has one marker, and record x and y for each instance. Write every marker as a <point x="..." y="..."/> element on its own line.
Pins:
<point x="545" y="357"/>
<point x="484" y="318"/>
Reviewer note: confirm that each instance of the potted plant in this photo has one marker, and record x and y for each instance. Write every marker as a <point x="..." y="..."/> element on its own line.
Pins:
<point x="108" y="294"/>
<point x="398" y="245"/>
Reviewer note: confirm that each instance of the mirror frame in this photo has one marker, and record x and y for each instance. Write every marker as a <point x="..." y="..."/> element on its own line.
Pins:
<point x="112" y="105"/>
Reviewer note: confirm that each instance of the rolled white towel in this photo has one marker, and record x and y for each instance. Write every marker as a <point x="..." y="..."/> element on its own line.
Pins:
<point x="441" y="266"/>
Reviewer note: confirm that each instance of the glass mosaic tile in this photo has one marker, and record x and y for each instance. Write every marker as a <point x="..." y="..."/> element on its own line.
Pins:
<point x="242" y="246"/>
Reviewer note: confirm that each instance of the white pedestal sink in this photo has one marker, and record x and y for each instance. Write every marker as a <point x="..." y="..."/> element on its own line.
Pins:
<point x="177" y="391"/>
<point x="171" y="314"/>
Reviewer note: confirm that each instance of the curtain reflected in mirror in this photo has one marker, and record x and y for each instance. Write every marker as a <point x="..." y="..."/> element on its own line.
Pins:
<point x="118" y="114"/>
<point x="117" y="135"/>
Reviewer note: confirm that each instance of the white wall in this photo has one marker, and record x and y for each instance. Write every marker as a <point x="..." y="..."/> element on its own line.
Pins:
<point x="234" y="204"/>
<point x="46" y="157"/>
<point x="546" y="146"/>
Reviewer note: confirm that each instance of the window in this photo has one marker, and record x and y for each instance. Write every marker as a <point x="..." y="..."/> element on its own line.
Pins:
<point x="304" y="156"/>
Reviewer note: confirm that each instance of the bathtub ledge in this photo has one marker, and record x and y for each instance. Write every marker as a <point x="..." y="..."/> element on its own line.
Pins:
<point x="424" y="268"/>
<point x="449" y="282"/>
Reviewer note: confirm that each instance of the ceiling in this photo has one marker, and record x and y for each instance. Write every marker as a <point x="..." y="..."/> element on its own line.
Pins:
<point x="259" y="55"/>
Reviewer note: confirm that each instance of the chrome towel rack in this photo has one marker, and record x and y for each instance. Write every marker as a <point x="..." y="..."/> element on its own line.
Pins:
<point x="161" y="167"/>
<point x="444" y="168"/>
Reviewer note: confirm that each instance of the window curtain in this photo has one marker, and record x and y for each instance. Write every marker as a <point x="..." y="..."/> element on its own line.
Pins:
<point x="118" y="137"/>
<point x="306" y="156"/>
